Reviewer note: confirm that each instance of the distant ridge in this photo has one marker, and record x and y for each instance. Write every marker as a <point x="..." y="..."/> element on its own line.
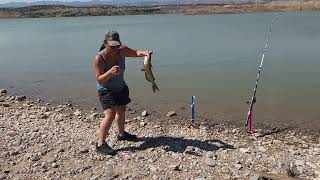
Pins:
<point x="123" y="3"/>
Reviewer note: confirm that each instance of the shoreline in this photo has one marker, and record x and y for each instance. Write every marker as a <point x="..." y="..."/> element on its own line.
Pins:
<point x="183" y="114"/>
<point x="46" y="11"/>
<point x="44" y="140"/>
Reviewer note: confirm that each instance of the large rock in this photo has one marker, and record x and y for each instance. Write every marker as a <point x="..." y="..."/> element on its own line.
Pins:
<point x="210" y="154"/>
<point x="144" y="113"/>
<point x="210" y="162"/>
<point x="171" y="114"/>
<point x="2" y="91"/>
<point x="20" y="98"/>
<point x="84" y="150"/>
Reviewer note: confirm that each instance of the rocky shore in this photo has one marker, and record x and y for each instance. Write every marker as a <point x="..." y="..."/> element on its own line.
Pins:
<point x="44" y="141"/>
<point x="40" y="11"/>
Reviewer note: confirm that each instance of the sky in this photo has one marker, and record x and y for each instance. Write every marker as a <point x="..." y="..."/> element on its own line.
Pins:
<point x="6" y="1"/>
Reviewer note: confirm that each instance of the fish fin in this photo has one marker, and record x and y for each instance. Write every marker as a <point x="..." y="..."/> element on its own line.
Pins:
<point x="154" y="87"/>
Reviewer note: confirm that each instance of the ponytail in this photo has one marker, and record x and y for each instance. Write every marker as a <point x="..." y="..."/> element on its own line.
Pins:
<point x="102" y="47"/>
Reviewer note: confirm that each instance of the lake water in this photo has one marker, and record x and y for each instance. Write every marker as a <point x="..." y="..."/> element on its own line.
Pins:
<point x="213" y="57"/>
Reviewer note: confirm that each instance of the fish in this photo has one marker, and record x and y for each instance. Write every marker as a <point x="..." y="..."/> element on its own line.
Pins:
<point x="148" y="72"/>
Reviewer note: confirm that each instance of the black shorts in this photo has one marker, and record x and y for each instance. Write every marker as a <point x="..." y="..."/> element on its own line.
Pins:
<point x="109" y="98"/>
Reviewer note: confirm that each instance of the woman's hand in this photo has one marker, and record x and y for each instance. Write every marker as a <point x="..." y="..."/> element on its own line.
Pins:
<point x="135" y="53"/>
<point x="115" y="70"/>
<point x="147" y="53"/>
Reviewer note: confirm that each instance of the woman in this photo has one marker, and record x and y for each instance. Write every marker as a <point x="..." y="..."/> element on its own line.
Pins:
<point x="109" y="67"/>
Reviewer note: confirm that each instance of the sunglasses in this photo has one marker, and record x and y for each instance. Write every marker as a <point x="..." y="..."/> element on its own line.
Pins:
<point x="115" y="47"/>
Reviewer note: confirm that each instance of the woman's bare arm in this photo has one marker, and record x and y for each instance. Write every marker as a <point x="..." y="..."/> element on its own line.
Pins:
<point x="128" y="52"/>
<point x="101" y="76"/>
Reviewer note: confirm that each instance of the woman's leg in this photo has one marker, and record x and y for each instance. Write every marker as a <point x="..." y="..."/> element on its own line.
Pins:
<point x="109" y="115"/>
<point x="120" y="119"/>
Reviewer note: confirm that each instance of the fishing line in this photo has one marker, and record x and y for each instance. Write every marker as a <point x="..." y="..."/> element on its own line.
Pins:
<point x="253" y="100"/>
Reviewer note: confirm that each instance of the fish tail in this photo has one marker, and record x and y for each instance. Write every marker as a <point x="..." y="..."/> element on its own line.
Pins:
<point x="154" y="87"/>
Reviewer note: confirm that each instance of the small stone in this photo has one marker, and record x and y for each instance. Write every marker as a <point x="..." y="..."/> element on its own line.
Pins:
<point x="144" y="113"/>
<point x="300" y="162"/>
<point x="109" y="171"/>
<point x="6" y="105"/>
<point x="43" y="116"/>
<point x="143" y="124"/>
<point x="48" y="113"/>
<point x="94" y="115"/>
<point x="77" y="113"/>
<point x="43" y="165"/>
<point x="153" y="168"/>
<point x="171" y="114"/>
<point x="139" y="118"/>
<point x="175" y="167"/>
<point x="20" y="98"/>
<point x="35" y="158"/>
<point x="53" y="160"/>
<point x="244" y="150"/>
<point x="32" y="116"/>
<point x="189" y="149"/>
<point x="6" y="171"/>
<point x="262" y="149"/>
<point x="3" y="91"/>
<point x="312" y="165"/>
<point x="4" y="154"/>
<point x="133" y="112"/>
<point x="84" y="150"/>
<point x="44" y="109"/>
<point x="13" y="153"/>
<point x="317" y="173"/>
<point x="200" y="178"/>
<point x="276" y="142"/>
<point x="305" y="146"/>
<point x="235" y="131"/>
<point x="12" y="98"/>
<point x="54" y="165"/>
<point x="11" y="134"/>
<point x="58" y="109"/>
<point x="210" y="162"/>
<point x="238" y="166"/>
<point x="256" y="177"/>
<point x="61" y="150"/>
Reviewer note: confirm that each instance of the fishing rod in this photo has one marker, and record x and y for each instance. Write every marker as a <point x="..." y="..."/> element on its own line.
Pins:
<point x="249" y="120"/>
